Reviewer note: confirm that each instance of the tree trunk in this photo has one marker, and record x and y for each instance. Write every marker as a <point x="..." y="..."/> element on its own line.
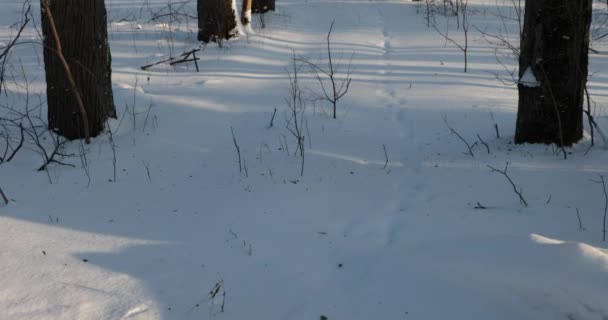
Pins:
<point x="553" y="71"/>
<point x="216" y="20"/>
<point x="263" y="6"/>
<point x="83" y="34"/>
<point x="246" y="12"/>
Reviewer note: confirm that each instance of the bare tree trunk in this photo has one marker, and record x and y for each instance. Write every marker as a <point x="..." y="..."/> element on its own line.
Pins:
<point x="82" y="30"/>
<point x="216" y="20"/>
<point x="246" y="12"/>
<point x="553" y="71"/>
<point x="263" y="6"/>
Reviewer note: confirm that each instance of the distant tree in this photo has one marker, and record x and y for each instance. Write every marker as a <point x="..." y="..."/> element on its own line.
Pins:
<point x="553" y="71"/>
<point x="263" y="6"/>
<point x="216" y="20"/>
<point x="81" y="27"/>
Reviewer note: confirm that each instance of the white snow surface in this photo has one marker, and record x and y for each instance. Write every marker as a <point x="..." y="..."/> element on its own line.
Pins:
<point x="351" y="238"/>
<point x="529" y="79"/>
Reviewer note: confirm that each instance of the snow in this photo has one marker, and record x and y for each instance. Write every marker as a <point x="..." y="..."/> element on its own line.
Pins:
<point x="351" y="238"/>
<point x="529" y="79"/>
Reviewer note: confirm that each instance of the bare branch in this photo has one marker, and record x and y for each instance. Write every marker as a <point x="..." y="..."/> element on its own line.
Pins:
<point x="605" y="216"/>
<point x="385" y="156"/>
<point x="337" y="88"/>
<point x="238" y="150"/>
<point x="469" y="146"/>
<point x="517" y="192"/>
<point x="4" y="54"/>
<point x="3" y="196"/>
<point x="484" y="143"/>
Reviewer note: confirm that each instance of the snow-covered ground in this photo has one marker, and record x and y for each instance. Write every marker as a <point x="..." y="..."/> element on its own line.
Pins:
<point x="433" y="235"/>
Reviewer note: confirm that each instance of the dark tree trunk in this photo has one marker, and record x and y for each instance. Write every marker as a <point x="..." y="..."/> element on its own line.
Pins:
<point x="553" y="71"/>
<point x="216" y="20"/>
<point x="263" y="6"/>
<point x="83" y="34"/>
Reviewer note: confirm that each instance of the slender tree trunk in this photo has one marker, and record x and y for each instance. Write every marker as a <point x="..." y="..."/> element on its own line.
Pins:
<point x="216" y="20"/>
<point x="263" y="6"/>
<point x="553" y="71"/>
<point x="246" y="12"/>
<point x="83" y="34"/>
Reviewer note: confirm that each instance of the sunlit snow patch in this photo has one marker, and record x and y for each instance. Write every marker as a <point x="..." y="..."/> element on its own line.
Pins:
<point x="529" y="79"/>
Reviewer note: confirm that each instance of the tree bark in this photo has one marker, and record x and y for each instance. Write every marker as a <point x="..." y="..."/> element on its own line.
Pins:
<point x="553" y="71"/>
<point x="216" y="20"/>
<point x="263" y="6"/>
<point x="82" y="30"/>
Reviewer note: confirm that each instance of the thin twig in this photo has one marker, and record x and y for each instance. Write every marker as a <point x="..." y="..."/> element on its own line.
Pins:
<point x="484" y="143"/>
<point x="385" y="156"/>
<point x="238" y="150"/>
<point x="147" y="167"/>
<point x="18" y="146"/>
<point x="589" y="116"/>
<point x="605" y="208"/>
<point x="480" y="206"/>
<point x="3" y="196"/>
<point x="272" y="118"/>
<point x="297" y="107"/>
<point x="517" y="192"/>
<point x="6" y="49"/>
<point x="338" y="88"/>
<point x="580" y="222"/>
<point x="113" y="146"/>
<point x="308" y="133"/>
<point x="469" y="147"/>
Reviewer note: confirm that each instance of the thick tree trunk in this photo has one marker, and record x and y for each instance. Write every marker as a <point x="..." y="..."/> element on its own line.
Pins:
<point x="553" y="71"/>
<point x="263" y="6"/>
<point x="246" y="12"/>
<point x="82" y="30"/>
<point x="216" y="20"/>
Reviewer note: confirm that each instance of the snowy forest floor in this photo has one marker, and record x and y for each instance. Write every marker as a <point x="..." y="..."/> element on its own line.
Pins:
<point x="433" y="234"/>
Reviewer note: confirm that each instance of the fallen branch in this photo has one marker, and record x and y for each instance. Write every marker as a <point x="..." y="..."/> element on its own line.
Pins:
<point x="184" y="57"/>
<point x="480" y="206"/>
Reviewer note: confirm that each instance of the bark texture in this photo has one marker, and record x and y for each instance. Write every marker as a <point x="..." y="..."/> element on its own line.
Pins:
<point x="82" y="29"/>
<point x="263" y="6"/>
<point x="216" y="20"/>
<point x="554" y="52"/>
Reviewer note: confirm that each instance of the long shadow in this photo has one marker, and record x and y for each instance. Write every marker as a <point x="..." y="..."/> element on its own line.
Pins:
<point x="205" y="222"/>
